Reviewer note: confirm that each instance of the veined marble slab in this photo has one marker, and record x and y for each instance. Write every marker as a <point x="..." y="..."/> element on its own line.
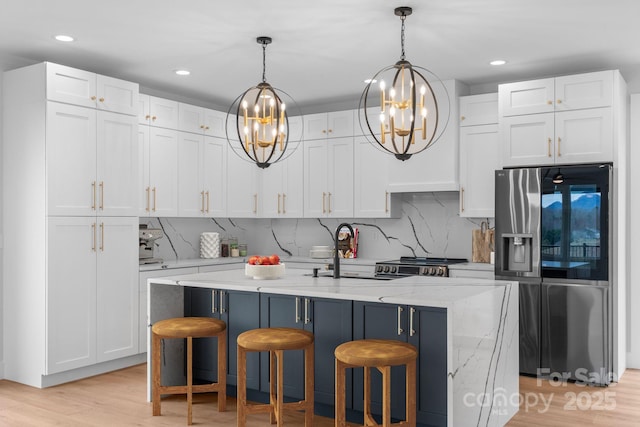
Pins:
<point x="482" y="327"/>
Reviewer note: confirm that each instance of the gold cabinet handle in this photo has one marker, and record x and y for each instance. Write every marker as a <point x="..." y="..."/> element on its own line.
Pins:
<point x="284" y="210"/>
<point x="101" y="195"/>
<point x="323" y="196"/>
<point x="461" y="199"/>
<point x="102" y="236"/>
<point x="386" y="201"/>
<point x="202" y="201"/>
<point x="93" y="189"/>
<point x="93" y="232"/>
<point x="206" y="193"/>
<point x="559" y="141"/>
<point x="101" y="99"/>
<point x="278" y="202"/>
<point x="148" y="190"/>
<point x="255" y="203"/>
<point x="93" y="98"/>
<point x="329" y="204"/>
<point x="548" y="147"/>
<point x="154" y="198"/>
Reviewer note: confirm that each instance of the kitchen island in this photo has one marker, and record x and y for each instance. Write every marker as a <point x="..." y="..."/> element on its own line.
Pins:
<point x="466" y="331"/>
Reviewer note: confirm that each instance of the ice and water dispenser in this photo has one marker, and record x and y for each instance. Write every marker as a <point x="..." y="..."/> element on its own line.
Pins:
<point x="517" y="252"/>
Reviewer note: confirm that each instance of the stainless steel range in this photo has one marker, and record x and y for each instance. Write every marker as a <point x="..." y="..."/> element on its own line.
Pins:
<point x="416" y="266"/>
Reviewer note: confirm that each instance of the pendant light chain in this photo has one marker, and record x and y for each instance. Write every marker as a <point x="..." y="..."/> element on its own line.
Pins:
<point x="402" y="18"/>
<point x="264" y="62"/>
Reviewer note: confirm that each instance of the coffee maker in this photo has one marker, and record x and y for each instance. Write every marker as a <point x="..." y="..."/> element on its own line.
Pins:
<point x="148" y="236"/>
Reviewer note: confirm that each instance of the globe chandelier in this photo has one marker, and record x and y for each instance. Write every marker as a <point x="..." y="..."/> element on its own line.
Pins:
<point x="257" y="124"/>
<point x="409" y="112"/>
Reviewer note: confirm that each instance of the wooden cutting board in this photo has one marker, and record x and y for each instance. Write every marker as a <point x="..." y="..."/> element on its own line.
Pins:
<point x="483" y="242"/>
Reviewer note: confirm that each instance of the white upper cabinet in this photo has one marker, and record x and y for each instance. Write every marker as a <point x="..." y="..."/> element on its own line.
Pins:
<point x="201" y="120"/>
<point x="243" y="198"/>
<point x="328" y="178"/>
<point x="158" y="112"/>
<point x="335" y="124"/>
<point x="436" y="168"/>
<point x="479" y="154"/>
<point x="214" y="176"/>
<point x="92" y="158"/>
<point x="78" y="87"/>
<point x="569" y="121"/>
<point x="371" y="196"/>
<point x="479" y="109"/>
<point x="158" y="172"/>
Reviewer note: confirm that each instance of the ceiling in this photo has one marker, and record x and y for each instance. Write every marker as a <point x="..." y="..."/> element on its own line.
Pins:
<point x="322" y="50"/>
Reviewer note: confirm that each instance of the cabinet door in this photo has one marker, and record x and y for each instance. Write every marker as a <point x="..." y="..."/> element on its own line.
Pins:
<point x="144" y="186"/>
<point x="164" y="113"/>
<point x="117" y="288"/>
<point x="283" y="311"/>
<point x="527" y="140"/>
<point x="243" y="200"/>
<point x="215" y="123"/>
<point x="71" y="293"/>
<point x="330" y="321"/>
<point x="241" y="312"/>
<point x="117" y="95"/>
<point x="214" y="176"/>
<point x="293" y="185"/>
<point x="584" y="136"/>
<point x="316" y="167"/>
<point x="315" y="126"/>
<point x="70" y="85"/>
<point x="71" y="160"/>
<point x="191" y="197"/>
<point x="589" y="90"/>
<point x="479" y="158"/>
<point x="163" y="172"/>
<point x="530" y="97"/>
<point x="144" y="115"/>
<point x="340" y="124"/>
<point x="272" y="189"/>
<point x="340" y="177"/>
<point x="479" y="109"/>
<point x="190" y="118"/>
<point x="429" y="336"/>
<point x="380" y="321"/>
<point x="201" y="302"/>
<point x="371" y="197"/>
<point x="117" y="163"/>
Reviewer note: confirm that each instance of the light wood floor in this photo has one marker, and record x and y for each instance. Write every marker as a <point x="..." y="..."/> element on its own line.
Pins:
<point x="118" y="399"/>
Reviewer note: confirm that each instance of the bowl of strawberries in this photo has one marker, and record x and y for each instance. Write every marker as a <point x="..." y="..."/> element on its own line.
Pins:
<point x="264" y="267"/>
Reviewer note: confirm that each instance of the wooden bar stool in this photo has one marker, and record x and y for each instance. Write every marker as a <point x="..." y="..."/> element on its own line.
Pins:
<point x="189" y="328"/>
<point x="380" y="354"/>
<point x="275" y="341"/>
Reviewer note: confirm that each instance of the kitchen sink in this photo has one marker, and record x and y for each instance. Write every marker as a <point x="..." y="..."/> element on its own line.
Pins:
<point x="351" y="276"/>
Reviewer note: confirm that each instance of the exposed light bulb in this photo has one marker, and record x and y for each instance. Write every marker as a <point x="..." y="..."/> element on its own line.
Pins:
<point x="382" y="117"/>
<point x="423" y="90"/>
<point x="244" y="104"/>
<point x="424" y="112"/>
<point x="392" y="92"/>
<point x="383" y="85"/>
<point x="282" y="106"/>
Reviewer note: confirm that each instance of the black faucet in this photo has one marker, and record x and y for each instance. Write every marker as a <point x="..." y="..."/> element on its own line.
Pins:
<point x="336" y="258"/>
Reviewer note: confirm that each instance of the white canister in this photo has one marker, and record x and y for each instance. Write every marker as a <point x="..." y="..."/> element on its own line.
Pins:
<point x="209" y="245"/>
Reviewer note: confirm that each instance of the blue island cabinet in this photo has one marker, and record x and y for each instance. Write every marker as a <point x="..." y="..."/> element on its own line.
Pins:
<point x="240" y="310"/>
<point x="330" y="321"/>
<point x="426" y="329"/>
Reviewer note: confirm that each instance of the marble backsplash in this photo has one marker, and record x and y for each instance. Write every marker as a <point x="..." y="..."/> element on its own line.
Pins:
<point x="429" y="226"/>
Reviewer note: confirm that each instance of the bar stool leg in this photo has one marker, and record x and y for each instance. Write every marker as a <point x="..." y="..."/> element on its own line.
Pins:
<point x="368" y="419"/>
<point x="280" y="392"/>
<point x="272" y="388"/>
<point x="309" y="384"/>
<point x="189" y="380"/>
<point x="340" y="394"/>
<point x="386" y="395"/>
<point x="222" y="372"/>
<point x="155" y="373"/>
<point x="411" y="394"/>
<point x="242" y="387"/>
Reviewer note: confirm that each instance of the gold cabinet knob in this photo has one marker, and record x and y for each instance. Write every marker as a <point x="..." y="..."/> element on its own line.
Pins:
<point x="549" y="102"/>
<point x="559" y="101"/>
<point x="330" y="130"/>
<point x="93" y="98"/>
<point x="206" y="128"/>
<point x="324" y="131"/>
<point x="153" y="118"/>
<point x="462" y="118"/>
<point x="201" y="126"/>
<point x="101" y="100"/>
<point x="147" y="117"/>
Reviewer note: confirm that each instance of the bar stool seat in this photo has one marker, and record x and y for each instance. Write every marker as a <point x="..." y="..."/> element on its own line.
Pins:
<point x="189" y="328"/>
<point x="275" y="341"/>
<point x="382" y="355"/>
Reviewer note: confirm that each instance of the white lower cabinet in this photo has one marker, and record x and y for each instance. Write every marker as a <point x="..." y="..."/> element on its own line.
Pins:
<point x="92" y="294"/>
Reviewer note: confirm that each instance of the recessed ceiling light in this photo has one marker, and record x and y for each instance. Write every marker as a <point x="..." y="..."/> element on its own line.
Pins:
<point x="498" y="62"/>
<point x="367" y="81"/>
<point x="64" y="38"/>
<point x="183" y="72"/>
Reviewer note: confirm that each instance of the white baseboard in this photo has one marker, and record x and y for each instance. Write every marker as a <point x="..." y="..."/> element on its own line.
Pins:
<point x="90" y="371"/>
<point x="633" y="360"/>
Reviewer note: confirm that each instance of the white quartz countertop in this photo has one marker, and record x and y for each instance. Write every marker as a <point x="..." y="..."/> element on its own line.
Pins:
<point x="423" y="291"/>
<point x="481" y="266"/>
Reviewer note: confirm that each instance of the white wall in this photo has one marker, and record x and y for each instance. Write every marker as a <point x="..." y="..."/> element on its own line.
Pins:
<point x="2" y="322"/>
<point x="633" y="293"/>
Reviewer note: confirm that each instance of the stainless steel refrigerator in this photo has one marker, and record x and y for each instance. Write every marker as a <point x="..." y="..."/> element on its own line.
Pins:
<point x="553" y="235"/>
